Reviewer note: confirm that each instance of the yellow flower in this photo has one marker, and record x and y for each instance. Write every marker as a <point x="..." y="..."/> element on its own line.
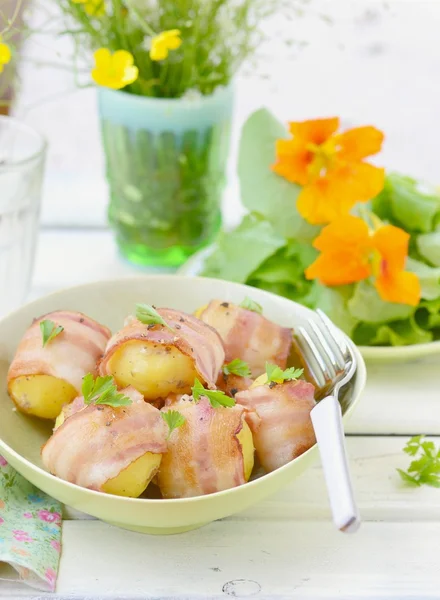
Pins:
<point x="164" y="42"/>
<point x="5" y="54"/>
<point x="95" y="8"/>
<point x="114" y="71"/>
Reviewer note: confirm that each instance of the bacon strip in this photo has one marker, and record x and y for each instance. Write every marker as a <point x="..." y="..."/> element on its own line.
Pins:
<point x="249" y="336"/>
<point x="191" y="336"/>
<point x="97" y="442"/>
<point x="69" y="356"/>
<point x="282" y="427"/>
<point x="231" y="384"/>
<point x="204" y="455"/>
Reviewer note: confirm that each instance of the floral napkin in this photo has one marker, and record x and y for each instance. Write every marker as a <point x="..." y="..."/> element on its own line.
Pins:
<point x="30" y="530"/>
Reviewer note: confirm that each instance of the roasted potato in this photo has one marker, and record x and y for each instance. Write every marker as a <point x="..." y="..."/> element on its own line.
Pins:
<point x="153" y="369"/>
<point x="41" y="395"/>
<point x="134" y="479"/>
<point x="247" y="447"/>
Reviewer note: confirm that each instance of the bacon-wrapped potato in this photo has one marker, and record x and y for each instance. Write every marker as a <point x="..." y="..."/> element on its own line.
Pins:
<point x="212" y="451"/>
<point x="42" y="378"/>
<point x="280" y="422"/>
<point x="159" y="360"/>
<point x="248" y="335"/>
<point x="116" y="450"/>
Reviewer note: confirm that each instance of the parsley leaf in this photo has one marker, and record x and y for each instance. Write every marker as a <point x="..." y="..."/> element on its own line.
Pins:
<point x="237" y="367"/>
<point x="49" y="330"/>
<point x="250" y="304"/>
<point x="216" y="397"/>
<point x="276" y="374"/>
<point x="102" y="390"/>
<point x="173" y="419"/>
<point x="425" y="468"/>
<point x="149" y="316"/>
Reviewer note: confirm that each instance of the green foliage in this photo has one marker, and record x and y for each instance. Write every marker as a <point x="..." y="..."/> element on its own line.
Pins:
<point x="217" y="35"/>
<point x="237" y="367"/>
<point x="49" y="331"/>
<point x="276" y="374"/>
<point x="217" y="398"/>
<point x="425" y="468"/>
<point x="102" y="390"/>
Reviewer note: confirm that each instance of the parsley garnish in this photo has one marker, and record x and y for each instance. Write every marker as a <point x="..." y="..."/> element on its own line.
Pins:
<point x="276" y="374"/>
<point x="173" y="419"/>
<point x="149" y="316"/>
<point x="102" y="390"/>
<point x="237" y="367"/>
<point x="49" y="330"/>
<point x="425" y="469"/>
<point x="250" y="304"/>
<point x="216" y="397"/>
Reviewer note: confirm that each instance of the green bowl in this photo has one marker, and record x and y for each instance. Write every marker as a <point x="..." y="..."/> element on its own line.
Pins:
<point x="109" y="302"/>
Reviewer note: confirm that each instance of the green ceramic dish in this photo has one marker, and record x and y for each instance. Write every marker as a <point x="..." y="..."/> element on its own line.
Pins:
<point x="21" y="437"/>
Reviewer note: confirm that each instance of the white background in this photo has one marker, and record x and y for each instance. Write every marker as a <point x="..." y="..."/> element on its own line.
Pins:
<point x="370" y="62"/>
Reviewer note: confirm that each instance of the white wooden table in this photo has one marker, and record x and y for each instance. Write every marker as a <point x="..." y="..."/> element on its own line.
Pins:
<point x="285" y="547"/>
<point x="377" y="56"/>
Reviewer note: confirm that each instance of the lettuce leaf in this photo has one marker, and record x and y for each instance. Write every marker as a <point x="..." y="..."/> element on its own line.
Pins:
<point x="283" y="273"/>
<point x="239" y="252"/>
<point x="263" y="191"/>
<point x="366" y="305"/>
<point x="428" y="245"/>
<point x="404" y="203"/>
<point x="395" y="333"/>
<point x="429" y="278"/>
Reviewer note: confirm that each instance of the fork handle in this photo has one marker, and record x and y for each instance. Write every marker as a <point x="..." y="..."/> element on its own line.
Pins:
<point x="329" y="431"/>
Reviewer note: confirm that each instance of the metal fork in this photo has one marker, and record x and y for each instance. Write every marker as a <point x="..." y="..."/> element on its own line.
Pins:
<point x="332" y="364"/>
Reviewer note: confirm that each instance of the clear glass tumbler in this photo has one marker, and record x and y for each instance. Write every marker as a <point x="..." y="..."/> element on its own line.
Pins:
<point x="22" y="155"/>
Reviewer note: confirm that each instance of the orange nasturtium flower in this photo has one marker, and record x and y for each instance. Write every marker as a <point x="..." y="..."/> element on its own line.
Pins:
<point x="330" y="166"/>
<point x="5" y="55"/>
<point x="114" y="71"/>
<point x="350" y="252"/>
<point x="164" y="42"/>
<point x="94" y="8"/>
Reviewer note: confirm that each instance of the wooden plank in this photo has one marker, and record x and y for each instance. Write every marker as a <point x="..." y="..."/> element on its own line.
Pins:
<point x="379" y="491"/>
<point x="273" y="560"/>
<point x="399" y="399"/>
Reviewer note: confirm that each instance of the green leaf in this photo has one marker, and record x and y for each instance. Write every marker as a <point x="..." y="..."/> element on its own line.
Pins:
<point x="102" y="390"/>
<point x="396" y="333"/>
<point x="251" y="305"/>
<point x="366" y="305"/>
<point x="238" y="253"/>
<point x="263" y="191"/>
<point x="173" y="419"/>
<point x="427" y="314"/>
<point x="428" y="245"/>
<point x="237" y="367"/>
<point x="334" y="302"/>
<point x="425" y="469"/>
<point x="407" y="203"/>
<point x="276" y="374"/>
<point x="49" y="330"/>
<point x="429" y="278"/>
<point x="283" y="273"/>
<point x="216" y="397"/>
<point x="149" y="316"/>
<point x="408" y="478"/>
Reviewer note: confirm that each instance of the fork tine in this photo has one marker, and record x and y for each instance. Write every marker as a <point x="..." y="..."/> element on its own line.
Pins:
<point x="338" y="340"/>
<point x="317" y="356"/>
<point x="334" y="356"/>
